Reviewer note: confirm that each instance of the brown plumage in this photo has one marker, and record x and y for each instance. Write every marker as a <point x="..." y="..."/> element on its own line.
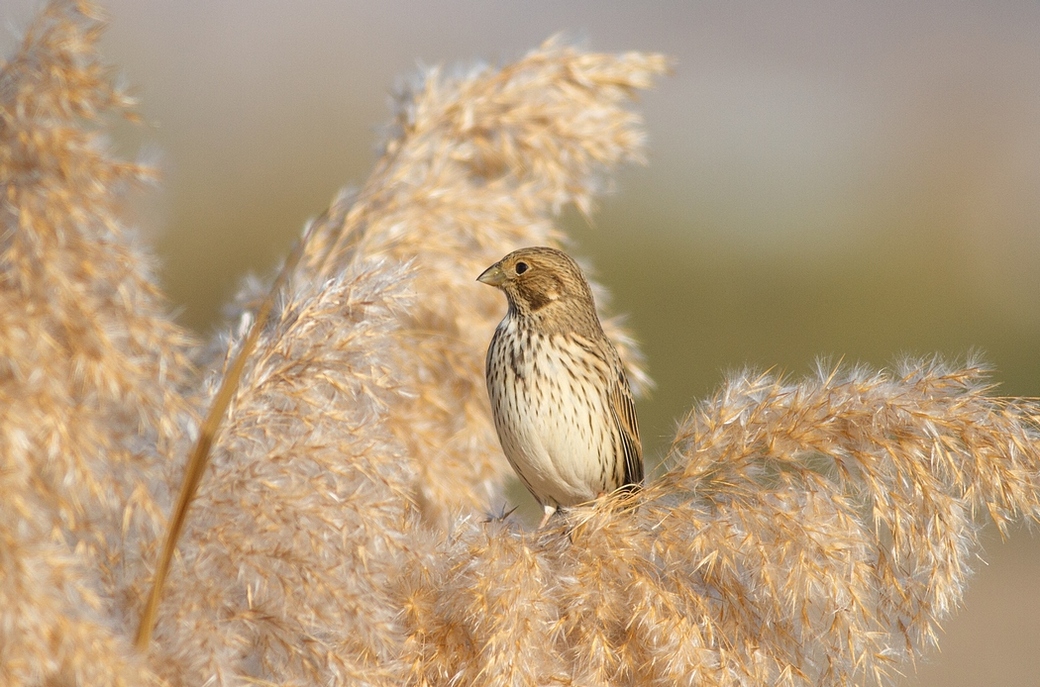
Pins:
<point x="559" y="394"/>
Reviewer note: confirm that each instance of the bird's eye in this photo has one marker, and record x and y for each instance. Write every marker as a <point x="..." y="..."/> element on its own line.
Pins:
<point x="521" y="267"/>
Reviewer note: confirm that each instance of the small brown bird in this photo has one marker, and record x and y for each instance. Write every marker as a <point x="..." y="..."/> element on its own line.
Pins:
<point x="559" y="394"/>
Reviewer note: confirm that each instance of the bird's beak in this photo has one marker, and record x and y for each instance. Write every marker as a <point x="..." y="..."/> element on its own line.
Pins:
<point x="493" y="276"/>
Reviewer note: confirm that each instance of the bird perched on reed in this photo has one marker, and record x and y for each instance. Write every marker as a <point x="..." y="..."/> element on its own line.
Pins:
<point x="559" y="394"/>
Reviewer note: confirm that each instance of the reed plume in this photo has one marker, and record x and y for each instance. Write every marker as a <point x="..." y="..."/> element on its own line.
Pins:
<point x="94" y="376"/>
<point x="808" y="532"/>
<point x="475" y="166"/>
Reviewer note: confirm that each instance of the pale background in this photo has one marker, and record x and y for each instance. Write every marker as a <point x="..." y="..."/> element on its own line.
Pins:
<point x="852" y="180"/>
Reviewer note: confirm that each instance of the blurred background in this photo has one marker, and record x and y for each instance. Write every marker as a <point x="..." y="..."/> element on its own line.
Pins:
<point x="856" y="181"/>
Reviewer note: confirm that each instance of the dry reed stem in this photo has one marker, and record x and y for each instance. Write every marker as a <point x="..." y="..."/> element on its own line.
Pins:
<point x="199" y="458"/>
<point x="804" y="533"/>
<point x="305" y="510"/>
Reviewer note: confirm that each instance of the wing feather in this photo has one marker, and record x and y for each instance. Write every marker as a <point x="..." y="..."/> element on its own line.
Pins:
<point x="623" y="408"/>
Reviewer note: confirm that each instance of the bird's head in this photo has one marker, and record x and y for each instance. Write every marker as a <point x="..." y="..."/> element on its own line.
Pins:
<point x="540" y="279"/>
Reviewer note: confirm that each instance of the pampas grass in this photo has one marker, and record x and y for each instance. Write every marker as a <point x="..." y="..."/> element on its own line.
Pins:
<point x="801" y="532"/>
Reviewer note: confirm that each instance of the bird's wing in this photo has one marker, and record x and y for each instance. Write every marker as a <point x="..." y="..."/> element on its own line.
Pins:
<point x="624" y="411"/>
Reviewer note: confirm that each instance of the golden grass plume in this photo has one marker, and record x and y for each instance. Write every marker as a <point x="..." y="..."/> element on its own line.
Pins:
<point x="810" y="532"/>
<point x="94" y="376"/>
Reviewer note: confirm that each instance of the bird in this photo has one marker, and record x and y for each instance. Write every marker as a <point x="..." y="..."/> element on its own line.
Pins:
<point x="560" y="397"/>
